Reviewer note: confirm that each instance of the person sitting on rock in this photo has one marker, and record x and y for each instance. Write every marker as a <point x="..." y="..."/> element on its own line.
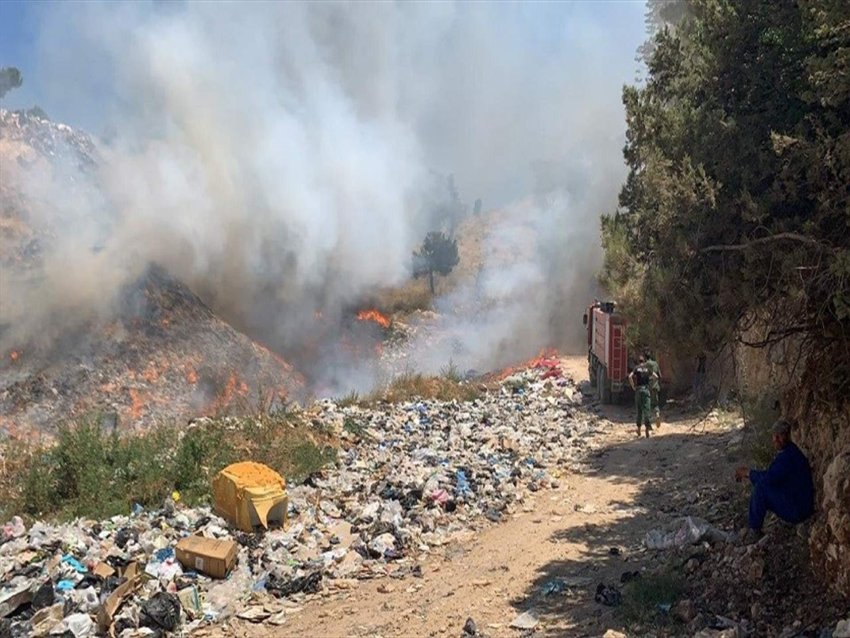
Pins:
<point x="785" y="488"/>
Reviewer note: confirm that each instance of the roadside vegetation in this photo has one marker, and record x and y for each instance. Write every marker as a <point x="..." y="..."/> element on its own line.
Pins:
<point x="647" y="601"/>
<point x="93" y="472"/>
<point x="731" y="229"/>
<point x="409" y="386"/>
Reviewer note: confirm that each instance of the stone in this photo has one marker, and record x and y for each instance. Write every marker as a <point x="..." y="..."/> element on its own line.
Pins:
<point x="526" y="620"/>
<point x="756" y="570"/>
<point x="469" y="627"/>
<point x="684" y="611"/>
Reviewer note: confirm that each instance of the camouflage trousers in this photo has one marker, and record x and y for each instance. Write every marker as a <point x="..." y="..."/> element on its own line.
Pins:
<point x="643" y="403"/>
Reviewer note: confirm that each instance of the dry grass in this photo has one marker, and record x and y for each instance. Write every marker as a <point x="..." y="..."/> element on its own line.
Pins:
<point x="411" y="386"/>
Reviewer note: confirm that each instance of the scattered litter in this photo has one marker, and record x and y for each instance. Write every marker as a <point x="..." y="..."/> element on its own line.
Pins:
<point x="562" y="585"/>
<point x="161" y="611"/>
<point x="608" y="595"/>
<point x="427" y="478"/>
<point x="207" y="555"/>
<point x="627" y="576"/>
<point x="249" y="494"/>
<point x="683" y="532"/>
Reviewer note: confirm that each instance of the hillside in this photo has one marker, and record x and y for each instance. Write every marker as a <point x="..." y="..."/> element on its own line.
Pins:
<point x="153" y="353"/>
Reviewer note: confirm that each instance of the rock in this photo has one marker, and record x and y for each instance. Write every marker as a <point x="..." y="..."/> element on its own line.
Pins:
<point x="684" y="611"/>
<point x="469" y="627"/>
<point x="254" y="614"/>
<point x="611" y="633"/>
<point x="385" y="588"/>
<point x="691" y="566"/>
<point x="526" y="620"/>
<point x="756" y="570"/>
<point x="696" y="624"/>
<point x="756" y="610"/>
<point x="842" y="629"/>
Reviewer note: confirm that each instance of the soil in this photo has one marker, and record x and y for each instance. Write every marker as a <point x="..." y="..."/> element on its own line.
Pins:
<point x="627" y="486"/>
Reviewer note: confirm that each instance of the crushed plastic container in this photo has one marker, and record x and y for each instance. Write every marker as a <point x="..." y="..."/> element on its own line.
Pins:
<point x="249" y="494"/>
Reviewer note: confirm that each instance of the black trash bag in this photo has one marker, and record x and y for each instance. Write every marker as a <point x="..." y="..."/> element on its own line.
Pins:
<point x="44" y="596"/>
<point x="310" y="584"/>
<point x="125" y="535"/>
<point x="122" y="623"/>
<point x="111" y="584"/>
<point x="117" y="563"/>
<point x="162" y="610"/>
<point x="89" y="580"/>
<point x="609" y="596"/>
<point x="202" y="521"/>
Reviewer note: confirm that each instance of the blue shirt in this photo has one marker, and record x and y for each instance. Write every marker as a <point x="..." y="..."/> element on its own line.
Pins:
<point x="790" y="474"/>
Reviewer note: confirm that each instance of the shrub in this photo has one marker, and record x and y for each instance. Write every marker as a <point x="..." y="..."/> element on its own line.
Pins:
<point x="642" y="597"/>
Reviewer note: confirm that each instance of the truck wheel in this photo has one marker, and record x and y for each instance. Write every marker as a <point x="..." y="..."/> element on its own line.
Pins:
<point x="604" y="386"/>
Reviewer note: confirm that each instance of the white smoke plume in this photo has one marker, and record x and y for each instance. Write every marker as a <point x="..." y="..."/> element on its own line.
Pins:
<point x="276" y="156"/>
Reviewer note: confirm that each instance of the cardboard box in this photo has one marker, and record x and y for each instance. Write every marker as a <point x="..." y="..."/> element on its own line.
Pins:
<point x="206" y="555"/>
<point x="249" y="495"/>
<point x="107" y="610"/>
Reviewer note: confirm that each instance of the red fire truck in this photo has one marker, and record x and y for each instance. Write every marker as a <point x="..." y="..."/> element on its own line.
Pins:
<point x="607" y="354"/>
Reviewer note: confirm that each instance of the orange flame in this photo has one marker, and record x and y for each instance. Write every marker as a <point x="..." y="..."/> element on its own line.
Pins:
<point x="138" y="404"/>
<point x="228" y="393"/>
<point x="15" y="355"/>
<point x="374" y="315"/>
<point x="544" y="359"/>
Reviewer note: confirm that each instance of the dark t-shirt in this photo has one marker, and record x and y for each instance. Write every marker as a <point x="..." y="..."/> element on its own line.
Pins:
<point x="642" y="374"/>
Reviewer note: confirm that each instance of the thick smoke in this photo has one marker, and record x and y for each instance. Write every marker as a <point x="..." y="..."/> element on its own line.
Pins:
<point x="278" y="157"/>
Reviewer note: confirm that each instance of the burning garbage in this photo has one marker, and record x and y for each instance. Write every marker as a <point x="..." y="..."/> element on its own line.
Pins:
<point x="411" y="477"/>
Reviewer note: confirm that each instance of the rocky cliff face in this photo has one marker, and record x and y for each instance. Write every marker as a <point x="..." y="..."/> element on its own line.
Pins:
<point x="824" y="434"/>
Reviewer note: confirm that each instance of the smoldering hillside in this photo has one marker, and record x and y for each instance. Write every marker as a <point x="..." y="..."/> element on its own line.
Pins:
<point x="280" y="159"/>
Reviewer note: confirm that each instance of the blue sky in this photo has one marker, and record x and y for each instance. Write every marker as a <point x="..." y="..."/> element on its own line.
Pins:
<point x="611" y="29"/>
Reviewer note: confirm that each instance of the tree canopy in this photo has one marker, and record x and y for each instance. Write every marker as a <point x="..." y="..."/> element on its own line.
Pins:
<point x="438" y="254"/>
<point x="735" y="214"/>
<point x="10" y="78"/>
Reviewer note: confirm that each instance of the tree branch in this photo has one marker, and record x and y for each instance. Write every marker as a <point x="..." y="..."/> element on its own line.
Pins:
<point x="764" y="240"/>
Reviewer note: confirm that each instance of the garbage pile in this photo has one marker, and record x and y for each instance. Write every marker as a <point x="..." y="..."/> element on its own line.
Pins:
<point x="411" y="479"/>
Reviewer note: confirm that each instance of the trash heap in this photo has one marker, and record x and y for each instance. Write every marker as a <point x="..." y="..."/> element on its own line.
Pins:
<point x="411" y="479"/>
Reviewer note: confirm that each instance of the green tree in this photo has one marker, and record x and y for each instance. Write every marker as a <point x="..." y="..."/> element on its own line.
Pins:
<point x="734" y="219"/>
<point x="438" y="254"/>
<point x="10" y="78"/>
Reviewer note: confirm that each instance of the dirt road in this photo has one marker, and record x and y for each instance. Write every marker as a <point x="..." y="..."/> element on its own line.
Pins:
<point x="626" y="487"/>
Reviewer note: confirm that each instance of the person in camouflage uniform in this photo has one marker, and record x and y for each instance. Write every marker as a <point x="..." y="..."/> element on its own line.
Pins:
<point x="639" y="378"/>
<point x="654" y="386"/>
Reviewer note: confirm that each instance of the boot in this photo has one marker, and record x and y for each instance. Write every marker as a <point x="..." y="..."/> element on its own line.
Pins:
<point x="657" y="420"/>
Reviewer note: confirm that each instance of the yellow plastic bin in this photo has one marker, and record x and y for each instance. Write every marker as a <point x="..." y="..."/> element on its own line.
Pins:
<point x="249" y="494"/>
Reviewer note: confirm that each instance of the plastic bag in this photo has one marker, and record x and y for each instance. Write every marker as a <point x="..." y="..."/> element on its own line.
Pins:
<point x="683" y="532"/>
<point x="161" y="610"/>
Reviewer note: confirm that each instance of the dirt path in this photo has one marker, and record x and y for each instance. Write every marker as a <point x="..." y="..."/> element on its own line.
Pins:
<point x="626" y="487"/>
